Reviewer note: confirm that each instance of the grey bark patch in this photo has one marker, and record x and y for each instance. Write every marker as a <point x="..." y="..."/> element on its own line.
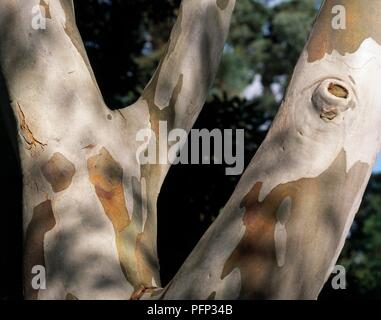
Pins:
<point x="284" y="211"/>
<point x="59" y="172"/>
<point x="222" y="4"/>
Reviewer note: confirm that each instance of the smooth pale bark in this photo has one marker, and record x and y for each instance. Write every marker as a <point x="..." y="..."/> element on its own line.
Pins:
<point x="89" y="206"/>
<point x="280" y="234"/>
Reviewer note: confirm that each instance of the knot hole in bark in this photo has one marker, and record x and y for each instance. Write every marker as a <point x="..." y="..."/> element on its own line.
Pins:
<point x="331" y="98"/>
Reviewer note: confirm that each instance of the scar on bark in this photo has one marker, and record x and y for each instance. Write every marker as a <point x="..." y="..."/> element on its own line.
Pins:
<point x="222" y="4"/>
<point x="362" y="22"/>
<point x="89" y="146"/>
<point x="314" y="200"/>
<point x="333" y="97"/>
<point x="70" y="296"/>
<point x="46" y="8"/>
<point x="59" y="172"/>
<point x="42" y="221"/>
<point x="338" y="90"/>
<point x="26" y="133"/>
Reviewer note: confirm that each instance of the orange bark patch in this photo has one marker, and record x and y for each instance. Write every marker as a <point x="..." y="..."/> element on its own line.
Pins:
<point x="42" y="221"/>
<point x="362" y="22"/>
<point x="319" y="212"/>
<point x="107" y="177"/>
<point x="59" y="172"/>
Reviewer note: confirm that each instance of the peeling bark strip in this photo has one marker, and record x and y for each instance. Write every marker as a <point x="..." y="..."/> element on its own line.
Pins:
<point x="324" y="39"/>
<point x="42" y="221"/>
<point x="313" y="202"/>
<point x="26" y="133"/>
<point x="107" y="177"/>
<point x="59" y="172"/>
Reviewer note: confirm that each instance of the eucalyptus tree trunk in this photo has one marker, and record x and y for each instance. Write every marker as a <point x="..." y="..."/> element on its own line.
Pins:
<point x="280" y="234"/>
<point x="90" y="204"/>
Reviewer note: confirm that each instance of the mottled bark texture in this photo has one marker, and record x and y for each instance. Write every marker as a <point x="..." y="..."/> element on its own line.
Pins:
<point x="281" y="232"/>
<point x="90" y="206"/>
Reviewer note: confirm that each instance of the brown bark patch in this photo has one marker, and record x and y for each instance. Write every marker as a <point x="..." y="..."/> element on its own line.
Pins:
<point x="42" y="221"/>
<point x="107" y="177"/>
<point x="319" y="211"/>
<point x="46" y="9"/>
<point x="362" y="22"/>
<point x="59" y="172"/>
<point x="27" y="134"/>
